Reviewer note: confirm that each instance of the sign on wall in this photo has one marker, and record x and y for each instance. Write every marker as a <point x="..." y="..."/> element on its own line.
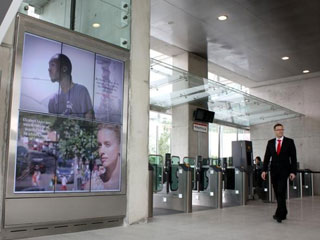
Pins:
<point x="200" y="127"/>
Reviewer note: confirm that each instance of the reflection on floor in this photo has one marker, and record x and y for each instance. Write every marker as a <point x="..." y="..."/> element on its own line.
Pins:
<point x="200" y="208"/>
<point x="163" y="211"/>
<point x="230" y="198"/>
<point x="251" y="222"/>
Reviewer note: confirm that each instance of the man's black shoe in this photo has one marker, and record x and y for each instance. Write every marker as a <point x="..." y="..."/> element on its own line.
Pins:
<point x="279" y="220"/>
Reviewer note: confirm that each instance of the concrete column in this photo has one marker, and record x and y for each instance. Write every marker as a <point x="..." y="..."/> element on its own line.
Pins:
<point x="185" y="141"/>
<point x="138" y="122"/>
<point x="6" y="53"/>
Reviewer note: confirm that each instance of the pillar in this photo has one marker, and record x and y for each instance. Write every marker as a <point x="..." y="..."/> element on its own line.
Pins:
<point x="138" y="121"/>
<point x="185" y="141"/>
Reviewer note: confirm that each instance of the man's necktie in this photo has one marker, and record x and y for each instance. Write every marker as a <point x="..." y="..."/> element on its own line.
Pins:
<point x="279" y="147"/>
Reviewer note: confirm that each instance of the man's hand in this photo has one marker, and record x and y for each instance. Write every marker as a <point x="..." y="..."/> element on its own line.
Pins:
<point x="263" y="175"/>
<point x="292" y="176"/>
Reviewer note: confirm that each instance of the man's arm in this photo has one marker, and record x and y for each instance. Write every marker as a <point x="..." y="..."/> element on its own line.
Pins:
<point x="87" y="104"/>
<point x="266" y="160"/>
<point x="293" y="158"/>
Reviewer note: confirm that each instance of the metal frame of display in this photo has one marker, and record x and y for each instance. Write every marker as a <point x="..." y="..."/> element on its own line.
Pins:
<point x="25" y="24"/>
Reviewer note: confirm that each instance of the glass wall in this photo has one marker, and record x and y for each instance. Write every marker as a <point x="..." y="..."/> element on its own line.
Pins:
<point x="108" y="20"/>
<point x="214" y="140"/>
<point x="221" y="137"/>
<point x="243" y="135"/>
<point x="159" y="133"/>
<point x="228" y="134"/>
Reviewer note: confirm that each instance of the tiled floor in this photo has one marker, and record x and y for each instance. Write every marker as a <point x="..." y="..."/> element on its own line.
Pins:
<point x="253" y="221"/>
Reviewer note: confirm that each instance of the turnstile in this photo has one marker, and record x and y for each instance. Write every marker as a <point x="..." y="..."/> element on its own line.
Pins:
<point x="307" y="183"/>
<point x="294" y="187"/>
<point x="267" y="191"/>
<point x="176" y="191"/>
<point x="235" y="187"/>
<point x="206" y="183"/>
<point x="302" y="185"/>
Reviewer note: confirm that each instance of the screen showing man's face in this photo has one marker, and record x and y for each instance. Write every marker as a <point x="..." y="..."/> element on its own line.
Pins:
<point x="54" y="70"/>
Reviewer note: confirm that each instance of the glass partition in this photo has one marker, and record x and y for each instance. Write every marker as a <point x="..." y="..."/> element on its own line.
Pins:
<point x="108" y="20"/>
<point x="57" y="12"/>
<point x="173" y="86"/>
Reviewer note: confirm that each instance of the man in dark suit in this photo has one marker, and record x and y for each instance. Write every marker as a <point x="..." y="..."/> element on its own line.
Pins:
<point x="282" y="152"/>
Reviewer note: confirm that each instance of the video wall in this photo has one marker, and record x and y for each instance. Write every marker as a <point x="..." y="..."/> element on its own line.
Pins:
<point x="70" y="119"/>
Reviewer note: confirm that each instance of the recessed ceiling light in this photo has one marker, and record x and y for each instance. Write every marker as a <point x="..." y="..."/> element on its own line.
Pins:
<point x="305" y="71"/>
<point x="223" y="17"/>
<point x="285" y="58"/>
<point x="96" y="25"/>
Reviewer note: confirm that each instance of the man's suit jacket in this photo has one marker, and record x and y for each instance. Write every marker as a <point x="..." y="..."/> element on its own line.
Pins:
<point x="284" y="163"/>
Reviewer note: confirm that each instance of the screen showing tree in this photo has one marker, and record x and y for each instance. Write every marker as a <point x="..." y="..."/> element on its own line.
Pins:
<point x="70" y="119"/>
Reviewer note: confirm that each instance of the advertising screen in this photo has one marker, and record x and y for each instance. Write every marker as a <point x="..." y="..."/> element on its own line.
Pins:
<point x="70" y="119"/>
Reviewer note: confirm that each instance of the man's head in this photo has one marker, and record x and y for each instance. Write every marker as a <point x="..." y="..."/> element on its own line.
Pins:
<point x="278" y="130"/>
<point x="59" y="67"/>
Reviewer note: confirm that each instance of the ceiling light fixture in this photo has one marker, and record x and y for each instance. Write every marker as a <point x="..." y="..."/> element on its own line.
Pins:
<point x="96" y="25"/>
<point x="223" y="17"/>
<point x="305" y="71"/>
<point x="285" y="58"/>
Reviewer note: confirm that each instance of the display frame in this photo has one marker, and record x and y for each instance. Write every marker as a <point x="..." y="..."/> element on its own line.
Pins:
<point x="25" y="24"/>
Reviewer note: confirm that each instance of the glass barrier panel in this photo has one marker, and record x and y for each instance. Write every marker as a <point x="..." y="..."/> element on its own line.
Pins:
<point x="156" y="162"/>
<point x="108" y="20"/>
<point x="174" y="177"/>
<point x="175" y="160"/>
<point x="56" y="12"/>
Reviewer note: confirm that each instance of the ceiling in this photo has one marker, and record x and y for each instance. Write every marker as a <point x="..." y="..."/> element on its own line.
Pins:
<point x="253" y="39"/>
<point x="4" y="8"/>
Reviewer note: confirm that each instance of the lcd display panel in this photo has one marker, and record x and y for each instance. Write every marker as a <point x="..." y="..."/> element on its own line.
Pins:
<point x="70" y="119"/>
